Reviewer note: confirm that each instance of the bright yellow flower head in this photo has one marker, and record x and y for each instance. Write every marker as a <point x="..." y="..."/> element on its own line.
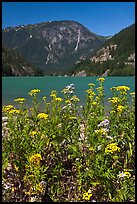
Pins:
<point x="114" y="100"/>
<point x="91" y="84"/>
<point x="90" y="92"/>
<point x="102" y="131"/>
<point x="43" y="116"/>
<point x="35" y="159"/>
<point x="34" y="92"/>
<point x="86" y="196"/>
<point x="53" y="93"/>
<point x="120" y="108"/>
<point x="7" y="108"/>
<point x="128" y="175"/>
<point x="111" y="148"/>
<point x="122" y="88"/>
<point x="20" y="100"/>
<point x="101" y="79"/>
<point x="33" y="133"/>
<point x="58" y="99"/>
<point x="14" y="111"/>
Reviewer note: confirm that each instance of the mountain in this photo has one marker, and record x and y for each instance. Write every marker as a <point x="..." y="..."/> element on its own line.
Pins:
<point x="115" y="58"/>
<point x="14" y="65"/>
<point x="52" y="46"/>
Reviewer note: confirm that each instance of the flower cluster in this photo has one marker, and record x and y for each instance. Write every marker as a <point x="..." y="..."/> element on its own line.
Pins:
<point x="35" y="159"/>
<point x="114" y="100"/>
<point x="14" y="111"/>
<point x="58" y="99"/>
<point x="122" y="88"/>
<point x="7" y="108"/>
<point x="87" y="196"/>
<point x="43" y="116"/>
<point x="111" y="148"/>
<point x="90" y="92"/>
<point x="53" y="94"/>
<point x="101" y="79"/>
<point x="102" y="131"/>
<point x="33" y="133"/>
<point x="74" y="98"/>
<point x="34" y="92"/>
<point x="19" y="100"/>
<point x="91" y="84"/>
<point x="120" y="108"/>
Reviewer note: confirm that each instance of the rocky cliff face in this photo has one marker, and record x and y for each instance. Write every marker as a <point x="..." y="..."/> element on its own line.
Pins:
<point x="104" y="54"/>
<point x="52" y="46"/>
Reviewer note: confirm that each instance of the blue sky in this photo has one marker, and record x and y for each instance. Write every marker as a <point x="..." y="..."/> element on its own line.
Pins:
<point x="102" y="18"/>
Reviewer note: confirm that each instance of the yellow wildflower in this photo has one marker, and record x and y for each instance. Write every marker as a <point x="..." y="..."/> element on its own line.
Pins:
<point x="65" y="90"/>
<point x="90" y="92"/>
<point x="74" y="98"/>
<point x="34" y="92"/>
<point x="14" y="111"/>
<point x="53" y="93"/>
<point x="120" y="108"/>
<point x="111" y="148"/>
<point x="101" y="79"/>
<point x="68" y="101"/>
<point x="7" y="108"/>
<point x="20" y="100"/>
<point x="33" y="133"/>
<point x="102" y="131"/>
<point x="86" y="196"/>
<point x="114" y="100"/>
<point x="91" y="84"/>
<point x="43" y="116"/>
<point x="122" y="88"/>
<point x="35" y="159"/>
<point x="58" y="99"/>
<point x="128" y="175"/>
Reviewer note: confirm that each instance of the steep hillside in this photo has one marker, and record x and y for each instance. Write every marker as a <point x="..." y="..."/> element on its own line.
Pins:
<point x="52" y="46"/>
<point x="115" y="58"/>
<point x="14" y="65"/>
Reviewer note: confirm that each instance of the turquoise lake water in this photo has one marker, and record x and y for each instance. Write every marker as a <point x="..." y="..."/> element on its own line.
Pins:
<point x="14" y="87"/>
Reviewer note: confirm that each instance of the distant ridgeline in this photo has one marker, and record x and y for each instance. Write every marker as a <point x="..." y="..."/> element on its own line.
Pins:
<point x="115" y="58"/>
<point x="52" y="46"/>
<point x="67" y="47"/>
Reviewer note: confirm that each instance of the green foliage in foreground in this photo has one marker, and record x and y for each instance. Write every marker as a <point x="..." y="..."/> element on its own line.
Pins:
<point x="80" y="152"/>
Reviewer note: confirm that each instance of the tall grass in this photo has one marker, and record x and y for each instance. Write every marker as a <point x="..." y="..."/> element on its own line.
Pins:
<point x="80" y="152"/>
